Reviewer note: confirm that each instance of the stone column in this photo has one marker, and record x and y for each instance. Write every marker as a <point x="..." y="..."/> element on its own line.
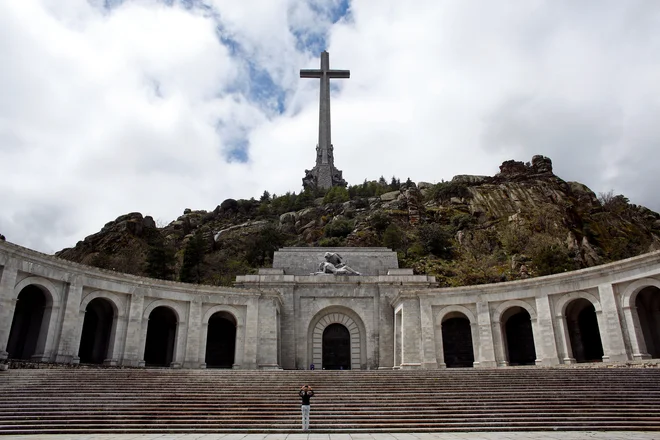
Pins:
<point x="544" y="333"/>
<point x="7" y="304"/>
<point x="614" y="347"/>
<point x="499" y="344"/>
<point x="486" y="356"/>
<point x="181" y="337"/>
<point x="134" y="346"/>
<point x="267" y="348"/>
<point x="439" y="345"/>
<point x="429" y="360"/>
<point x="635" y="333"/>
<point x="193" y="346"/>
<point x="411" y="340"/>
<point x="398" y="329"/>
<point x="46" y="345"/>
<point x="117" y="338"/>
<point x="67" y="352"/>
<point x="565" y="349"/>
<point x="251" y="333"/>
<point x="385" y="320"/>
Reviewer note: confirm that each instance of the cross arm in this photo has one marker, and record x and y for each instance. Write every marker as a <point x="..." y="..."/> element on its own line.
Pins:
<point x="339" y="73"/>
<point x="311" y="73"/>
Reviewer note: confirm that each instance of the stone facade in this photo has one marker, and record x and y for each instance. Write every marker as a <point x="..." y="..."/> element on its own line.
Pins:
<point x="58" y="311"/>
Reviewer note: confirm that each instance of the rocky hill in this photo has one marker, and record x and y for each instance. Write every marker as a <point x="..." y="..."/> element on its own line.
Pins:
<point x="522" y="222"/>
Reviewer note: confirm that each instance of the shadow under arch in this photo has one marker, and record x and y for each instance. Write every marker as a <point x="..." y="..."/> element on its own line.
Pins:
<point x="160" y="341"/>
<point x="347" y="318"/>
<point x="37" y="307"/>
<point x="516" y="322"/>
<point x="221" y="340"/>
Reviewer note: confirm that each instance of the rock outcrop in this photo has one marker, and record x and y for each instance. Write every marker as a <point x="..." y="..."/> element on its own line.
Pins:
<point x="524" y="221"/>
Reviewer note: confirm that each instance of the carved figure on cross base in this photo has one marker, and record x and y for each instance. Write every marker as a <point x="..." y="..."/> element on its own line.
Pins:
<point x="334" y="265"/>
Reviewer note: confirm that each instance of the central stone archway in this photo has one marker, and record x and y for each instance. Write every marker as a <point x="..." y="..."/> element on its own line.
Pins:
<point x="336" y="348"/>
<point x="333" y="319"/>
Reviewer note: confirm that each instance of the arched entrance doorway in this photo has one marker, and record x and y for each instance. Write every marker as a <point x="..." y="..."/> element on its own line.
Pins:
<point x="582" y="325"/>
<point x="161" y="336"/>
<point x="457" y="341"/>
<point x="96" y="331"/>
<point x="221" y="340"/>
<point x="519" y="339"/>
<point x="648" y="311"/>
<point x="336" y="348"/>
<point x="27" y="326"/>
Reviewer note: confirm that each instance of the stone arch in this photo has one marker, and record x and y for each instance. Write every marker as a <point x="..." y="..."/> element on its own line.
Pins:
<point x="177" y="308"/>
<point x="516" y="332"/>
<point x="46" y="286"/>
<point x="460" y="309"/>
<point x="33" y="330"/>
<point x="497" y="316"/>
<point x="643" y="330"/>
<point x="580" y="328"/>
<point x="99" y="322"/>
<point x="564" y="300"/>
<point x="452" y="345"/>
<point x="223" y="308"/>
<point x="176" y="340"/>
<point x="114" y="299"/>
<point x="239" y="344"/>
<point x="220" y="350"/>
<point x="337" y="315"/>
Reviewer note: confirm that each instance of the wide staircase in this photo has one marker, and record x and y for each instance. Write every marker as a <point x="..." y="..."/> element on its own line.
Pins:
<point x="80" y="400"/>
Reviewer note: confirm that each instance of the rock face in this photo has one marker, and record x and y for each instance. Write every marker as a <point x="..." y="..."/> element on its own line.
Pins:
<point x="523" y="222"/>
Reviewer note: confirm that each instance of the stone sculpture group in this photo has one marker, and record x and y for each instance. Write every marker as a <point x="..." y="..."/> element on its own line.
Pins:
<point x="333" y="265"/>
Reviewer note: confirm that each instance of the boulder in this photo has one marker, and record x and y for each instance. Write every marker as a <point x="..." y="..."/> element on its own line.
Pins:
<point x="148" y="222"/>
<point x="541" y="164"/>
<point x="389" y="196"/>
<point x="288" y="218"/>
<point x="469" y="179"/>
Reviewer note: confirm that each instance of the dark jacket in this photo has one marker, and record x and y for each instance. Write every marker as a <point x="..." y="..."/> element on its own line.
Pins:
<point x="306" y="395"/>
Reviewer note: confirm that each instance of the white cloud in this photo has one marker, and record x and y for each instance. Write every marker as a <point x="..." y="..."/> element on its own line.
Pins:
<point x="137" y="108"/>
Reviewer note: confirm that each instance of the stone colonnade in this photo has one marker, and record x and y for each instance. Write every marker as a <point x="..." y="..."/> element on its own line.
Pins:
<point x="591" y="315"/>
<point x="69" y="288"/>
<point x="394" y="320"/>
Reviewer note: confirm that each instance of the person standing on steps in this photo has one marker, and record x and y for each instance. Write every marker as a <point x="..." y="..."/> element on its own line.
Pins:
<point x="305" y="394"/>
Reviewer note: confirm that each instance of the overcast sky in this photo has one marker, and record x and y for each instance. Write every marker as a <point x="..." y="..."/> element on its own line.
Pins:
<point x="109" y="107"/>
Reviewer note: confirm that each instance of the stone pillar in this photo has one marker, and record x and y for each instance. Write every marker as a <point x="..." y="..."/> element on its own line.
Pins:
<point x="46" y="345"/>
<point x="7" y="304"/>
<point x="251" y="334"/>
<point x="429" y="360"/>
<point x="193" y="346"/>
<point x="179" y="344"/>
<point x="439" y="346"/>
<point x="411" y="340"/>
<point x="611" y="334"/>
<point x="635" y="333"/>
<point x="267" y="348"/>
<point x="385" y="320"/>
<point x="565" y="349"/>
<point x="134" y="347"/>
<point x="398" y="329"/>
<point x="544" y="333"/>
<point x="204" y="333"/>
<point x="117" y="339"/>
<point x="67" y="351"/>
<point x="499" y="344"/>
<point x="486" y="351"/>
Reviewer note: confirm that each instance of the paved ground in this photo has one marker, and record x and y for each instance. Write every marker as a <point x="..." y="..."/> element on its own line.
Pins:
<point x="590" y="435"/>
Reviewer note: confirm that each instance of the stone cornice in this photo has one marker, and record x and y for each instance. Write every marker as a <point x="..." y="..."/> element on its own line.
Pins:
<point x="612" y="273"/>
<point x="91" y="274"/>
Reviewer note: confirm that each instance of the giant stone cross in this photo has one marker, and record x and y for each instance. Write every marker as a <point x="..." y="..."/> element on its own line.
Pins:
<point x="324" y="174"/>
